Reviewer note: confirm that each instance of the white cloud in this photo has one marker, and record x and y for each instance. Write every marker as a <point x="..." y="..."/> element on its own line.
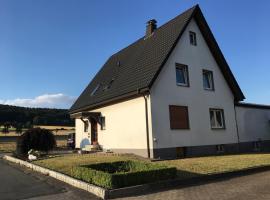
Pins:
<point x="43" y="101"/>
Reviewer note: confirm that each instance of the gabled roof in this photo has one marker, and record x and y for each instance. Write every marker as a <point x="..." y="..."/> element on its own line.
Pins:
<point x="136" y="67"/>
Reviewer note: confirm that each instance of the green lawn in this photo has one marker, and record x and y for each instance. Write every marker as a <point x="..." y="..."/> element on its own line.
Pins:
<point x="189" y="167"/>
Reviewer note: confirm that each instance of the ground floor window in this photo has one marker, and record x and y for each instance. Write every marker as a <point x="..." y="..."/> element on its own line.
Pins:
<point x="102" y="123"/>
<point x="179" y="117"/>
<point x="86" y="126"/>
<point x="217" y="118"/>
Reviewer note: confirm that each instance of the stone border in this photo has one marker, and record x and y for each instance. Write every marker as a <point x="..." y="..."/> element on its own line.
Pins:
<point x="137" y="189"/>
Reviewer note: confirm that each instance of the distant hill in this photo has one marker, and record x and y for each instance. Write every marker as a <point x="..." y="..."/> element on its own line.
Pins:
<point x="34" y="116"/>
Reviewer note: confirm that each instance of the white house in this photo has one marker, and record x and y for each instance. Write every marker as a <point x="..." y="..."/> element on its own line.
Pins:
<point x="170" y="94"/>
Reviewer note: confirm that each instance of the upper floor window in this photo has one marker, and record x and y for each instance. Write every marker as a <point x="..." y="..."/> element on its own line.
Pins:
<point x="182" y="75"/>
<point x="217" y="119"/>
<point x="208" y="81"/>
<point x="192" y="38"/>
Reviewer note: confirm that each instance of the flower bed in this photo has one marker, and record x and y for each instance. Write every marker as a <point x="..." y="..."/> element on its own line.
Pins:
<point x="123" y="173"/>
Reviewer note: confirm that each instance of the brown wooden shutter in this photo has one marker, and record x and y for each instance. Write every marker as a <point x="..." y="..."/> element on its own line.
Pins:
<point x="179" y="117"/>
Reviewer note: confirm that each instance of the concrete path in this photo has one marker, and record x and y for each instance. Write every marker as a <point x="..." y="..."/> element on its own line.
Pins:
<point x="21" y="183"/>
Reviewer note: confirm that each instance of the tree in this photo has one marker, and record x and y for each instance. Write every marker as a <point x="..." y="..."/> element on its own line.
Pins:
<point x="18" y="127"/>
<point x="36" y="139"/>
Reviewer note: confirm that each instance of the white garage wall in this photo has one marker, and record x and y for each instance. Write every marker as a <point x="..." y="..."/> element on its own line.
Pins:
<point x="253" y="123"/>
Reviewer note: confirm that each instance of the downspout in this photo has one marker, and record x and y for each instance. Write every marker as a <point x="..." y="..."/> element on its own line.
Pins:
<point x="147" y="125"/>
<point x="237" y="129"/>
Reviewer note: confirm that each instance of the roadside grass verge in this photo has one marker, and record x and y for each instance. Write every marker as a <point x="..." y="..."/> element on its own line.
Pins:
<point x="186" y="168"/>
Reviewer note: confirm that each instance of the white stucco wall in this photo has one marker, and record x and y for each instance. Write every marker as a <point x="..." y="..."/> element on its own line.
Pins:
<point x="165" y="92"/>
<point x="125" y="127"/>
<point x="253" y="123"/>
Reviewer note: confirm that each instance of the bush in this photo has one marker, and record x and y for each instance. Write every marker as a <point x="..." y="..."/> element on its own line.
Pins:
<point x="123" y="173"/>
<point x="37" y="139"/>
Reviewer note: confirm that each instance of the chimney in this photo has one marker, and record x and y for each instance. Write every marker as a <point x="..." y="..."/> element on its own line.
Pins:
<point x="150" y="27"/>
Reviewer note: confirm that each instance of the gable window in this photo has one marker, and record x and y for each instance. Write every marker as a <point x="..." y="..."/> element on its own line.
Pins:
<point x="102" y="122"/>
<point x="192" y="38"/>
<point x="217" y="118"/>
<point x="179" y="117"/>
<point x="208" y="81"/>
<point x="181" y="75"/>
<point x="86" y="126"/>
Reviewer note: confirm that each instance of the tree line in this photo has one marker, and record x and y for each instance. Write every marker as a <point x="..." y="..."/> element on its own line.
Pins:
<point x="22" y="117"/>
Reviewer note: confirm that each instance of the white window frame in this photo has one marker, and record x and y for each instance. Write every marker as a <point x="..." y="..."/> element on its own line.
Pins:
<point x="184" y="68"/>
<point x="216" y="126"/>
<point x="210" y="78"/>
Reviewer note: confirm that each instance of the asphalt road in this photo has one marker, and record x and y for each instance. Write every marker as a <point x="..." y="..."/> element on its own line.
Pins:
<point x="21" y="183"/>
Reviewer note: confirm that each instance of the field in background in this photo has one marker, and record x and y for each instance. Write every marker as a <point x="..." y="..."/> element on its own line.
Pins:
<point x="57" y="130"/>
<point x="6" y="147"/>
<point x="8" y="140"/>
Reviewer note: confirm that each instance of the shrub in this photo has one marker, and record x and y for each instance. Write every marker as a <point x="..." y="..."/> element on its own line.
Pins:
<point x="37" y="139"/>
<point x="123" y="173"/>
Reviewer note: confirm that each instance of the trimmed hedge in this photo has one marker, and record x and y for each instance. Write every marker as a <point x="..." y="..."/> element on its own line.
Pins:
<point x="123" y="173"/>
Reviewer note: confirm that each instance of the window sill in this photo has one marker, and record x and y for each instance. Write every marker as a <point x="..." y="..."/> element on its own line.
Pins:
<point x="182" y="85"/>
<point x="175" y="129"/>
<point x="214" y="128"/>
<point x="209" y="89"/>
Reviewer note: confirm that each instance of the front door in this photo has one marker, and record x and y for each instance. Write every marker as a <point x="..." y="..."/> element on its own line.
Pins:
<point x="94" y="134"/>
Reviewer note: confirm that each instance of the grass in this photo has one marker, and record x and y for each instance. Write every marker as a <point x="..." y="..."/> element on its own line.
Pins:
<point x="189" y="167"/>
<point x="65" y="163"/>
<point x="7" y="147"/>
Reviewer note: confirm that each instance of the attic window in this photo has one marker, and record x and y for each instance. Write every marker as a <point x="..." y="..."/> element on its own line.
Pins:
<point x="109" y="85"/>
<point x="192" y="38"/>
<point x="95" y="90"/>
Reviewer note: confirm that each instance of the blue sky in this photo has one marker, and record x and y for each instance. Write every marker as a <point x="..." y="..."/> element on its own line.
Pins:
<point x="50" y="50"/>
